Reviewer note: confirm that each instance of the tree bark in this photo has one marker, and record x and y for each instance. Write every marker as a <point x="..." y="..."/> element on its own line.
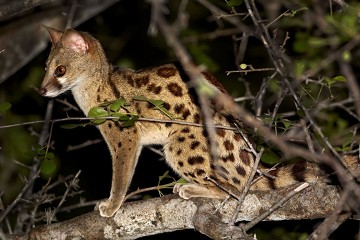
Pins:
<point x="171" y="213"/>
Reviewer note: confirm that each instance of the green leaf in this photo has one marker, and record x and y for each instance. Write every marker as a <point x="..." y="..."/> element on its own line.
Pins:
<point x="117" y="104"/>
<point x="300" y="113"/>
<point x="243" y="66"/>
<point x="98" y="112"/>
<point x="234" y="3"/>
<point x="270" y="157"/>
<point x="130" y="122"/>
<point x="49" y="167"/>
<point x="156" y="103"/>
<point x="287" y="124"/>
<point x="340" y="79"/>
<point x="165" y="175"/>
<point x="181" y="180"/>
<point x="4" y="107"/>
<point x="140" y="98"/>
<point x="331" y="81"/>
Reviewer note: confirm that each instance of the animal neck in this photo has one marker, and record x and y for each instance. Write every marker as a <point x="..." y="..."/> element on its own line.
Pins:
<point x="87" y="90"/>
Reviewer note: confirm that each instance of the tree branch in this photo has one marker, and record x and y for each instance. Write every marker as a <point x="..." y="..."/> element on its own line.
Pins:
<point x="171" y="213"/>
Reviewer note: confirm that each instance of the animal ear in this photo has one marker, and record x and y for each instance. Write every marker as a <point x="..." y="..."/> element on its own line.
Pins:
<point x="54" y="34"/>
<point x="75" y="41"/>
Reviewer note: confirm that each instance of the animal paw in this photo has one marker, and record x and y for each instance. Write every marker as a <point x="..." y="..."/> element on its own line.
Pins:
<point x="184" y="190"/>
<point x="107" y="208"/>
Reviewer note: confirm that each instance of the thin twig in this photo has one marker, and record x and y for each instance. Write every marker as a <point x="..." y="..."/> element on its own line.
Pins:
<point x="246" y="188"/>
<point x="71" y="185"/>
<point x="274" y="207"/>
<point x="28" y="184"/>
<point x="115" y="118"/>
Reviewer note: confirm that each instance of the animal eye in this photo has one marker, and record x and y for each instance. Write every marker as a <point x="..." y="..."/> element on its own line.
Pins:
<point x="60" y="71"/>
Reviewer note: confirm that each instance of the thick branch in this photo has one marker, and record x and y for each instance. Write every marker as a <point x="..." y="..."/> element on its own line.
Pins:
<point x="171" y="213"/>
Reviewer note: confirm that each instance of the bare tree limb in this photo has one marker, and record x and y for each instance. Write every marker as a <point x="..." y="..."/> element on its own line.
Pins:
<point x="171" y="213"/>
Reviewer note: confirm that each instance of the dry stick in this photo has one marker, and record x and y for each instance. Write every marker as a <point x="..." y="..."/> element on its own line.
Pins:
<point x="309" y="141"/>
<point x="277" y="106"/>
<point x="192" y="71"/>
<point x="36" y="165"/>
<point x="116" y="118"/>
<point x="280" y="66"/>
<point x="345" y="178"/>
<point x="218" y="12"/>
<point x="246" y="189"/>
<point x="352" y="84"/>
<point x="211" y="35"/>
<point x="274" y="207"/>
<point x="19" y="196"/>
<point x="71" y="185"/>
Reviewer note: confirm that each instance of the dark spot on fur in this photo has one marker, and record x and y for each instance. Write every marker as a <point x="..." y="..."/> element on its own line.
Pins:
<point x="229" y="157"/>
<point x="168" y="125"/>
<point x="179" y="152"/>
<point x="153" y="88"/>
<point x="235" y="180"/>
<point x="130" y="80"/>
<point x="157" y="90"/>
<point x="192" y="175"/>
<point x="109" y="125"/>
<point x="180" y="163"/>
<point x="200" y="172"/>
<point x="191" y="136"/>
<point x="196" y="160"/>
<point x="185" y="130"/>
<point x="272" y="181"/>
<point x="196" y="118"/>
<point x="178" y="108"/>
<point x="180" y="139"/>
<point x="240" y="170"/>
<point x="220" y="132"/>
<point x="237" y="137"/>
<point x="166" y="72"/>
<point x="205" y="134"/>
<point x="194" y="145"/>
<point x="228" y="145"/>
<point x="298" y="171"/>
<point x="141" y="81"/>
<point x="175" y="89"/>
<point x="185" y="114"/>
<point x="119" y="144"/>
<point x="245" y="157"/>
<point x="166" y="106"/>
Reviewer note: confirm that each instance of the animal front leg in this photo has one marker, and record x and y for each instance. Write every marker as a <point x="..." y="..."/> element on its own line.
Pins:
<point x="124" y="160"/>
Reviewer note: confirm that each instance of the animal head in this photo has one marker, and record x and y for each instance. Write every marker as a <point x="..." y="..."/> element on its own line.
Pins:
<point x="70" y="63"/>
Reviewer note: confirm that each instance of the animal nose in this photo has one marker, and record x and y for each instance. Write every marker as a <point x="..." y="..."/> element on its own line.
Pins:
<point x="42" y="91"/>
